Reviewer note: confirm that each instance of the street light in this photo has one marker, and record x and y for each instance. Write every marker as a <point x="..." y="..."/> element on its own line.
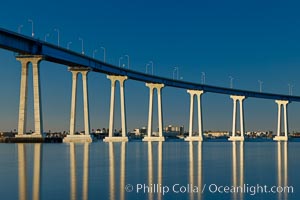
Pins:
<point x="68" y="45"/>
<point x="231" y="81"/>
<point x="203" y="77"/>
<point x="176" y="69"/>
<point x="47" y="35"/>
<point x="19" y="28"/>
<point x="127" y="60"/>
<point x="32" y="33"/>
<point x="260" y="85"/>
<point x="57" y="30"/>
<point x="104" y="52"/>
<point x="94" y="52"/>
<point x="290" y="89"/>
<point x="151" y="66"/>
<point x="82" y="52"/>
<point x="120" y="61"/>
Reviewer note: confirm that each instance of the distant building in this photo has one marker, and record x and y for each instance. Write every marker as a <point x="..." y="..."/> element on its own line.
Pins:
<point x="216" y="134"/>
<point x="173" y="131"/>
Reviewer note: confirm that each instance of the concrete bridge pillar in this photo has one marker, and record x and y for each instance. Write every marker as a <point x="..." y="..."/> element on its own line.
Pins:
<point x="111" y="137"/>
<point x="38" y="121"/>
<point x="279" y="137"/>
<point x="240" y="100"/>
<point x="158" y="88"/>
<point x="200" y="131"/>
<point x="72" y="137"/>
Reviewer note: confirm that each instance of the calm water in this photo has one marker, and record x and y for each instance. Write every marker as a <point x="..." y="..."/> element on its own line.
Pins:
<point x="169" y="170"/>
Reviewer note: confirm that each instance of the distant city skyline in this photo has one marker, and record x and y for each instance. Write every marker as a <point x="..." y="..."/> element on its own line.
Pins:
<point x="248" y="41"/>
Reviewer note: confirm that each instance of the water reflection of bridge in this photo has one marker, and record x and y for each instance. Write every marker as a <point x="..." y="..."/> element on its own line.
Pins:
<point x="154" y="170"/>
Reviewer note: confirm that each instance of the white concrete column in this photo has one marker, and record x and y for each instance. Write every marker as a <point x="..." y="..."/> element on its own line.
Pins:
<point x="150" y="113"/>
<point x="198" y="93"/>
<point x="234" y="117"/>
<point x="240" y="100"/>
<point x="123" y="112"/>
<point x="73" y="102"/>
<point x="281" y="103"/>
<point x="38" y="120"/>
<point x="158" y="87"/>
<point x="279" y="119"/>
<point x="191" y="113"/>
<point x="285" y="119"/>
<point x="85" y="102"/>
<point x="200" y="131"/>
<point x="86" y="137"/>
<point x="111" y="138"/>
<point x="23" y="98"/>
<point x="160" y="118"/>
<point x="241" y="116"/>
<point x="112" y="107"/>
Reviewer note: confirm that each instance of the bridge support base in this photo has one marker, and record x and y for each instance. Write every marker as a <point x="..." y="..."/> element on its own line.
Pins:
<point x="115" y="139"/>
<point x="153" y="139"/>
<point x="193" y="138"/>
<point x="280" y="138"/>
<point x="77" y="138"/>
<point x="236" y="138"/>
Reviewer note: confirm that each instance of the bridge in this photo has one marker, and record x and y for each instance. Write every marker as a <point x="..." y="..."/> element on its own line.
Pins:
<point x="31" y="50"/>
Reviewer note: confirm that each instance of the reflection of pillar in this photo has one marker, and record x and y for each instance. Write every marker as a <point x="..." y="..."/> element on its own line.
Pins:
<point x="191" y="163"/>
<point x="240" y="100"/>
<point x="159" y="166"/>
<point x="285" y="153"/>
<point x="38" y="122"/>
<point x="72" y="137"/>
<point x="234" y="169"/>
<point x="282" y="167"/>
<point x="111" y="172"/>
<point x="22" y="171"/>
<point x="241" y="168"/>
<point x="85" y="185"/>
<point x="279" y="170"/>
<point x="199" y="137"/>
<point x="283" y="104"/>
<point x="158" y="88"/>
<point x="150" y="169"/>
<point x="200" y="168"/>
<point x="37" y="171"/>
<point x="73" y="192"/>
<point x="123" y="170"/>
<point x="111" y="137"/>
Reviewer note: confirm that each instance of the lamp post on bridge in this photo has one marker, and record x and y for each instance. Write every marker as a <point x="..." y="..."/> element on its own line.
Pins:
<point x="260" y="85"/>
<point x="68" y="45"/>
<point x="127" y="56"/>
<point x="82" y="52"/>
<point x="203" y="77"/>
<point x="231" y="81"/>
<point x="150" y="62"/>
<point x="19" y="28"/>
<point x="32" y="32"/>
<point x="290" y="89"/>
<point x="57" y="30"/>
<point x="47" y="35"/>
<point x="94" y="52"/>
<point x="104" y="52"/>
<point x="120" y="61"/>
<point x="176" y="69"/>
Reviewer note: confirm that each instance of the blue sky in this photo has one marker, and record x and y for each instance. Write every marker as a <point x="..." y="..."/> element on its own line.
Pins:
<point x="248" y="40"/>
